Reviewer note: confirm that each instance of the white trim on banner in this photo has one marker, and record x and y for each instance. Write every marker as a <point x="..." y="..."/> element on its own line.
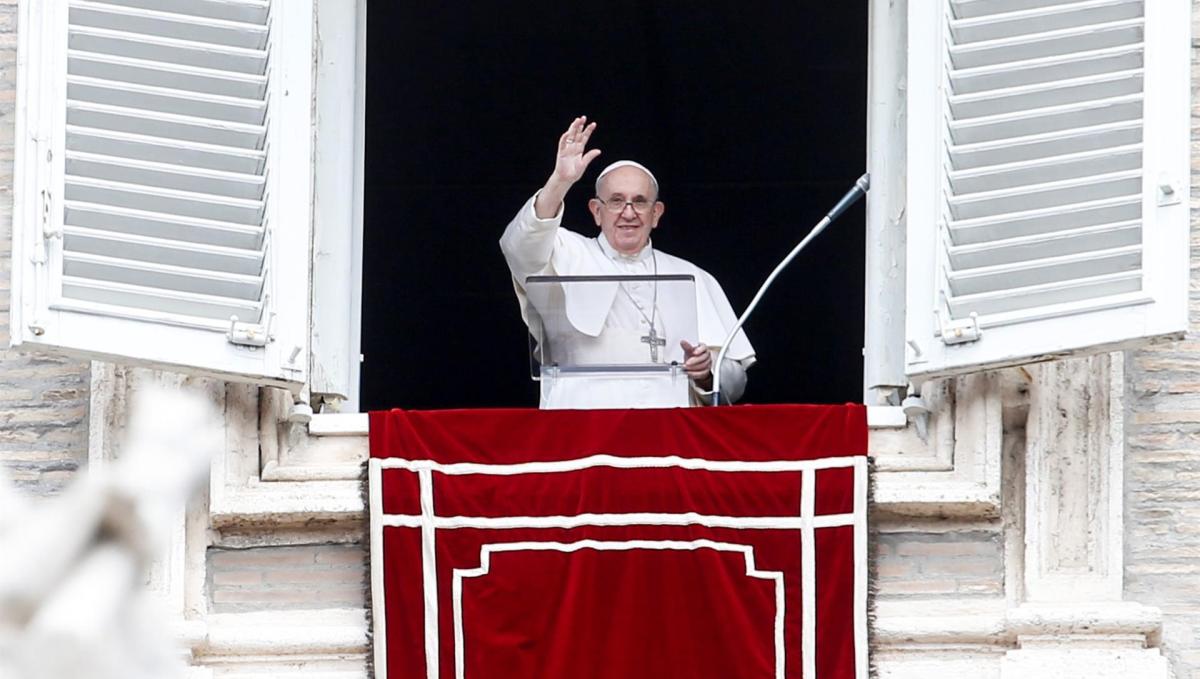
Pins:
<point x="429" y="574"/>
<point x="862" y="658"/>
<point x="668" y="461"/>
<point x="808" y="575"/>
<point x="631" y="519"/>
<point x="378" y="610"/>
<point x="626" y="545"/>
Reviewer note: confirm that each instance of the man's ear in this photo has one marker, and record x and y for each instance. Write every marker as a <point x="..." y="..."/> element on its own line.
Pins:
<point x="659" y="209"/>
<point x="594" y="207"/>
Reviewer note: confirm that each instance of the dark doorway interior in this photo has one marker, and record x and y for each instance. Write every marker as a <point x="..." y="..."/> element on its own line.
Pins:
<point x="751" y="114"/>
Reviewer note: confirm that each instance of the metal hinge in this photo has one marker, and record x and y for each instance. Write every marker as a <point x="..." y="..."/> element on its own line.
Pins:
<point x="961" y="331"/>
<point x="249" y="334"/>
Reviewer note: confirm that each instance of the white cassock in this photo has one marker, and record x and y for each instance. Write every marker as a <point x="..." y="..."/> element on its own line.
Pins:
<point x="609" y="323"/>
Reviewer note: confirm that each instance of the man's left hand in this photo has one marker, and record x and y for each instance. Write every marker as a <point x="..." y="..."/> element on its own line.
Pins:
<point x="697" y="362"/>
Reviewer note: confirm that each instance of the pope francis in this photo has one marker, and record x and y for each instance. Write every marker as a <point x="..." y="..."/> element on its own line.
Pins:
<point x="620" y="317"/>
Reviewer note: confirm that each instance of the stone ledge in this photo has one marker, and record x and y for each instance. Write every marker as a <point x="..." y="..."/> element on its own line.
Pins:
<point x="288" y="503"/>
<point x="991" y="622"/>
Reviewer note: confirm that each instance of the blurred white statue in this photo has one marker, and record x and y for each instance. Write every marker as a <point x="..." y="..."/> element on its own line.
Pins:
<point x="72" y="567"/>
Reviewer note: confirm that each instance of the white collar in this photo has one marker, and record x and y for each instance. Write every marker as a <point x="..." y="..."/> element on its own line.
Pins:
<point x="612" y="253"/>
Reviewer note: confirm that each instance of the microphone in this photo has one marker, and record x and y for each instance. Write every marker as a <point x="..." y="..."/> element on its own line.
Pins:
<point x="860" y="188"/>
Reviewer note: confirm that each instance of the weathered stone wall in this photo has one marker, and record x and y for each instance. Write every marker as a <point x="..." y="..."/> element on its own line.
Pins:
<point x="43" y="400"/>
<point x="939" y="557"/>
<point x="279" y="578"/>
<point x="1162" y="459"/>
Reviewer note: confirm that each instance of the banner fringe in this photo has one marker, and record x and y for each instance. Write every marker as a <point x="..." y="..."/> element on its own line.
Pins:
<point x="364" y="492"/>
<point x="872" y="569"/>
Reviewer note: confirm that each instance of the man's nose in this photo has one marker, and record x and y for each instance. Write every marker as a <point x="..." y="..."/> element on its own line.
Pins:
<point x="628" y="206"/>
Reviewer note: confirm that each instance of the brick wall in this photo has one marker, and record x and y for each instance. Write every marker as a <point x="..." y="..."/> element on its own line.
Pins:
<point x="43" y="401"/>
<point x="275" y="578"/>
<point x="1162" y="459"/>
<point x="948" y="559"/>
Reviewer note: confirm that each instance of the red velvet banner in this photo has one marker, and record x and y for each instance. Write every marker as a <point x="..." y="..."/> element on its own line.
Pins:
<point x="723" y="543"/>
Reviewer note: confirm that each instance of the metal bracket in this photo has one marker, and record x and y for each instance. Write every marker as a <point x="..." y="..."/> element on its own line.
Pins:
<point x="917" y="412"/>
<point x="49" y="229"/>
<point x="49" y="232"/>
<point x="962" y="331"/>
<point x="1167" y="195"/>
<point x="249" y="334"/>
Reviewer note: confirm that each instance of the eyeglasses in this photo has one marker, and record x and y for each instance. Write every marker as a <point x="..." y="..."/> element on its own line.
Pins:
<point x="640" y="205"/>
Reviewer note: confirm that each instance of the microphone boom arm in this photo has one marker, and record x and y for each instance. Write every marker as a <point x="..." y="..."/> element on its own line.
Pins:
<point x="861" y="186"/>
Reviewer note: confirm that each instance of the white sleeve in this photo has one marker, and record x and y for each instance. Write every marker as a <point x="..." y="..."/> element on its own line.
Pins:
<point x="528" y="242"/>
<point x="733" y="384"/>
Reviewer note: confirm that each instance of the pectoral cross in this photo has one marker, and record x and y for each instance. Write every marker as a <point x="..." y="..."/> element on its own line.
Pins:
<point x="655" y="342"/>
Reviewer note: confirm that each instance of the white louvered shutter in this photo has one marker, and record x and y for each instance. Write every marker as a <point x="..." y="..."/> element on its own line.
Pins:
<point x="163" y="183"/>
<point x="1048" y="176"/>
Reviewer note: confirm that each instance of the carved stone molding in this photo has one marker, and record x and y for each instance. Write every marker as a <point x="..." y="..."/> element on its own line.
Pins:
<point x="989" y="638"/>
<point x="955" y="469"/>
<point x="277" y="485"/>
<point x="1073" y="481"/>
<point x="1069" y="619"/>
<point x="331" y="644"/>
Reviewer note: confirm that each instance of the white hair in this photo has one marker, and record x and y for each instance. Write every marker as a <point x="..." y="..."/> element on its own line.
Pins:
<point x="626" y="163"/>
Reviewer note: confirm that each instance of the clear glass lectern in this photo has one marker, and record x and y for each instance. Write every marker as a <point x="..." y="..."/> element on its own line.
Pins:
<point x="611" y="341"/>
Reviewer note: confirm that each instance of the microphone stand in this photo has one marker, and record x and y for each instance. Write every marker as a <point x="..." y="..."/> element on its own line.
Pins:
<point x="861" y="186"/>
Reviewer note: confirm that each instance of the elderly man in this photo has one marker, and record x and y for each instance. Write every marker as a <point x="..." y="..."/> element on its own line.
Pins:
<point x="627" y="209"/>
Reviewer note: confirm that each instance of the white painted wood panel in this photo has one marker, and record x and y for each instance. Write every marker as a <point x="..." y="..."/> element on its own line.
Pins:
<point x="166" y="184"/>
<point x="1047" y="179"/>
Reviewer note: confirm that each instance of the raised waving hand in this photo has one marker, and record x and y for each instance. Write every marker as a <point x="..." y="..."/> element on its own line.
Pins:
<point x="570" y="162"/>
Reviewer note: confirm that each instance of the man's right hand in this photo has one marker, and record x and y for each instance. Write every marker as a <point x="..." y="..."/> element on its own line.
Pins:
<point x="569" y="165"/>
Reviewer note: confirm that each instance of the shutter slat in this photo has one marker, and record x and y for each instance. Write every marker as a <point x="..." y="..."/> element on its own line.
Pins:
<point x="141" y="297"/>
<point x="1046" y="119"/>
<point x="219" y="260"/>
<point x="158" y="150"/>
<point x="168" y="24"/>
<point x="1045" y="270"/>
<point x="168" y="50"/>
<point x="157" y="74"/>
<point x="166" y="155"/>
<point x="1046" y="220"/>
<point x="249" y="11"/>
<point x="1055" y="244"/>
<point x="1054" y="93"/>
<point x="162" y="277"/>
<point x="1075" y="296"/>
<point x="1044" y="200"/>
<point x="162" y="225"/>
<point x="1049" y="69"/>
<point x="150" y="199"/>
<point x="161" y="100"/>
<point x="1048" y="46"/>
<point x="166" y="176"/>
<point x="1044" y="170"/>
<point x="166" y="125"/>
<point x="1051" y="144"/>
<point x="1052" y="194"/>
<point x="968" y="9"/>
<point x="1043" y="19"/>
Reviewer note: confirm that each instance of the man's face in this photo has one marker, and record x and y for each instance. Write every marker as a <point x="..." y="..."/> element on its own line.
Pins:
<point x="627" y="231"/>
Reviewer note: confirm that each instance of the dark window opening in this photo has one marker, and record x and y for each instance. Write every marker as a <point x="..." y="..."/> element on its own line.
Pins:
<point x="752" y="117"/>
